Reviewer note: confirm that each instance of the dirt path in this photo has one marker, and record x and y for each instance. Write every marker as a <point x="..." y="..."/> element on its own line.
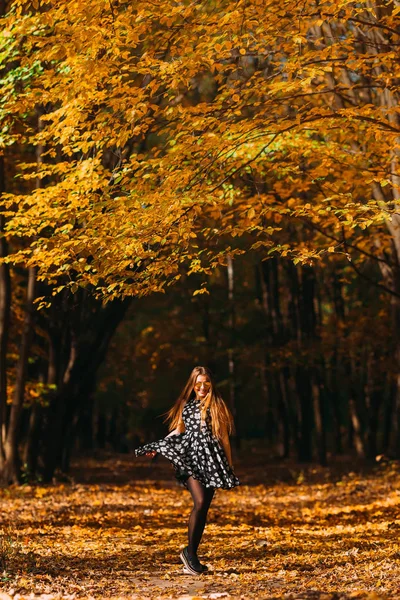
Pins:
<point x="314" y="534"/>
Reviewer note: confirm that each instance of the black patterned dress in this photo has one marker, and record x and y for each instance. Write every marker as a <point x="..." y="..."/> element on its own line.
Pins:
<point x="195" y="452"/>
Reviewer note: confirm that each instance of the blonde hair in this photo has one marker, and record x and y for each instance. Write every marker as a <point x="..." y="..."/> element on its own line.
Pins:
<point x="221" y="417"/>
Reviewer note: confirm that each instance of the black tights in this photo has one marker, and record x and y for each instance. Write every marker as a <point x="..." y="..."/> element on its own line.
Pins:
<point x="202" y="497"/>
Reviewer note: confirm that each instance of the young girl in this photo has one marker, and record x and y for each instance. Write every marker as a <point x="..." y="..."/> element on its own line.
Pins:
<point x="199" y="449"/>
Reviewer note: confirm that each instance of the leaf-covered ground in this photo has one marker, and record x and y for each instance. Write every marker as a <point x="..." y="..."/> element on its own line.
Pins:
<point x="116" y="530"/>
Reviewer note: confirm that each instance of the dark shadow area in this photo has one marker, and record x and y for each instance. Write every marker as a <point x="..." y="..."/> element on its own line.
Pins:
<point x="252" y="468"/>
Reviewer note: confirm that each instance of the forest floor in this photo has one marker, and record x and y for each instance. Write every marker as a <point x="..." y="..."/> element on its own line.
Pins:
<point x="115" y="530"/>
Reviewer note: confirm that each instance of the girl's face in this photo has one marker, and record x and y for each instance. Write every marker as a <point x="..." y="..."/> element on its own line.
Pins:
<point x="202" y="386"/>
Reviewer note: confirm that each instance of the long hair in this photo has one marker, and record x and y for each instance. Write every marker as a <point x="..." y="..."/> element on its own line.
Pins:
<point x="221" y="416"/>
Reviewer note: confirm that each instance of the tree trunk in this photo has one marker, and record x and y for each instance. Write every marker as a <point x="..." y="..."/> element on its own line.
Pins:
<point x="395" y="433"/>
<point x="284" y="414"/>
<point x="357" y="430"/>
<point x="231" y="349"/>
<point x="304" y="392"/>
<point x="78" y="382"/>
<point x="304" y="285"/>
<point x="374" y="402"/>
<point x="275" y="337"/>
<point x="334" y="385"/>
<point x="32" y="445"/>
<point x="11" y="471"/>
<point x="5" y="312"/>
<point x="319" y="417"/>
<point x="388" y="420"/>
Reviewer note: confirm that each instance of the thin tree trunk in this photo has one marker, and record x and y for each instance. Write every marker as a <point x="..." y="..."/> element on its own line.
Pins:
<point x="231" y="349"/>
<point x="356" y="423"/>
<point x="388" y="419"/>
<point x="334" y="370"/>
<point x="11" y="471"/>
<point x="374" y="403"/>
<point x="319" y="418"/>
<point x="334" y="400"/>
<point x="275" y="337"/>
<point x="304" y="291"/>
<point x="284" y="414"/>
<point x="32" y="445"/>
<point x="304" y="391"/>
<point x="35" y="428"/>
<point x="395" y="437"/>
<point x="5" y="312"/>
<point x="357" y="430"/>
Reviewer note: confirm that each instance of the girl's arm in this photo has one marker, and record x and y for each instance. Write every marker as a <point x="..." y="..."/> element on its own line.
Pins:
<point x="177" y="430"/>
<point x="227" y="448"/>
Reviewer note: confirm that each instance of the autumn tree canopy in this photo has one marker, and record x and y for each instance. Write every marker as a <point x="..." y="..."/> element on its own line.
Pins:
<point x="166" y="126"/>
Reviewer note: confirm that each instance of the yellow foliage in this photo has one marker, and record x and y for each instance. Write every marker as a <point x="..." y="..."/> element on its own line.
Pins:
<point x="159" y="122"/>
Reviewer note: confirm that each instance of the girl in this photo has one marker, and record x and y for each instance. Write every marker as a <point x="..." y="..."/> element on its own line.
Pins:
<point x="199" y="449"/>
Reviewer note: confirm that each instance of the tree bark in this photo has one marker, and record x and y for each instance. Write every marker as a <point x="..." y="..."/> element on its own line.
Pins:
<point x="32" y="444"/>
<point x="319" y="418"/>
<point x="275" y="338"/>
<point x="231" y="349"/>
<point x="11" y="470"/>
<point x="78" y="382"/>
<point x="5" y="312"/>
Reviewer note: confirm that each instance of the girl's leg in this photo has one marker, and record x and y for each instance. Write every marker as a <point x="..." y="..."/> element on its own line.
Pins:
<point x="202" y="498"/>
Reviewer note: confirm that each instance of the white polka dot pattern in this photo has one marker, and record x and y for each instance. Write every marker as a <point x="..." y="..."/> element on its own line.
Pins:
<point x="195" y="452"/>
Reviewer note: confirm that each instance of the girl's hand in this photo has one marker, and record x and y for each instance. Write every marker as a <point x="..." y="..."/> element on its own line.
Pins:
<point x="151" y="453"/>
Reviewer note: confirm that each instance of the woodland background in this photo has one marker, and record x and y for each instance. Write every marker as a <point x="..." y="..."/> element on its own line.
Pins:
<point x="198" y="183"/>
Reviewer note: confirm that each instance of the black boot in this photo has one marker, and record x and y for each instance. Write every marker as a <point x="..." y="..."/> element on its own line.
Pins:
<point x="204" y="567"/>
<point x="192" y="563"/>
<point x="195" y="558"/>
